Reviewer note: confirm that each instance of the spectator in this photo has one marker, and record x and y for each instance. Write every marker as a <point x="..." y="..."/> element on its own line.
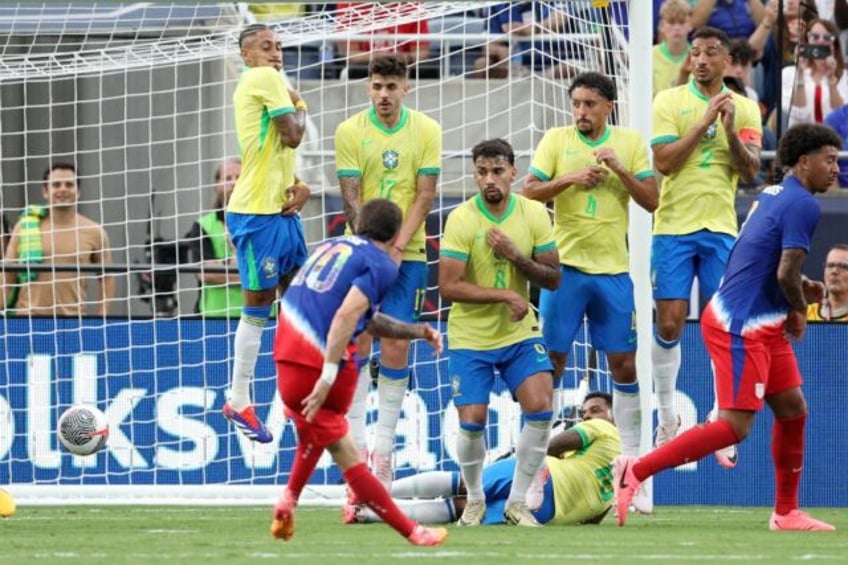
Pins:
<point x="57" y="234"/>
<point x="834" y="305"/>
<point x="817" y="84"/>
<point x="363" y="17"/>
<point x="524" y="20"/>
<point x="741" y="62"/>
<point x="737" y="18"/>
<point x="838" y="120"/>
<point x="220" y="293"/>
<point x="671" y="53"/>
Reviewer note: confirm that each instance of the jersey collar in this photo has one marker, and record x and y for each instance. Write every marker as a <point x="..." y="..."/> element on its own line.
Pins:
<point x="404" y="117"/>
<point x="694" y="90"/>
<point x="510" y="206"/>
<point x="604" y="136"/>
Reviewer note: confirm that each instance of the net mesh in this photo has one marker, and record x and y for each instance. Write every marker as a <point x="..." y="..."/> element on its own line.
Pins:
<point x="138" y="97"/>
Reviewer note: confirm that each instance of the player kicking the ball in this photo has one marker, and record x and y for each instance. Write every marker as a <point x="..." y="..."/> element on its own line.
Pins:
<point x="332" y="300"/>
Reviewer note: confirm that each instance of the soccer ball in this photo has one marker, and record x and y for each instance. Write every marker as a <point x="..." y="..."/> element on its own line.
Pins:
<point x="83" y="429"/>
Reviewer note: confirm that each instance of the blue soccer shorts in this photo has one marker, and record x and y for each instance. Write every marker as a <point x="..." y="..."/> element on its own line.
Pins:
<point x="677" y="259"/>
<point x="268" y="247"/>
<point x="497" y="482"/>
<point x="473" y="371"/>
<point x="406" y="296"/>
<point x="607" y="302"/>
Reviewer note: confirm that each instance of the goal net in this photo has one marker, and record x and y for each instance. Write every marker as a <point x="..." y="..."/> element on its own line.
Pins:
<point x="138" y="98"/>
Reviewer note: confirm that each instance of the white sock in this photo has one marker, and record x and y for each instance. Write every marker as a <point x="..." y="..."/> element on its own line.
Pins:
<point x="432" y="484"/>
<point x="422" y="511"/>
<point x="627" y="413"/>
<point x="358" y="413"/>
<point x="666" y="363"/>
<point x="529" y="455"/>
<point x="470" y="454"/>
<point x="246" y="346"/>
<point x="390" y="395"/>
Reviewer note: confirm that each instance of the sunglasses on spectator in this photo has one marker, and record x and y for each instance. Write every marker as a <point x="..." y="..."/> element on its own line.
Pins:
<point x="834" y="265"/>
<point x="820" y="37"/>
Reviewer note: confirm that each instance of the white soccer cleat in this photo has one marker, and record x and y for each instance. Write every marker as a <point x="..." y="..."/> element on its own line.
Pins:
<point x="666" y="433"/>
<point x="517" y="514"/>
<point x="728" y="456"/>
<point x="474" y="513"/>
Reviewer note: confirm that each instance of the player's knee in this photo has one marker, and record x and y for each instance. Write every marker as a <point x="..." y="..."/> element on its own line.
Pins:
<point x="558" y="360"/>
<point x="669" y="329"/>
<point x="623" y="368"/>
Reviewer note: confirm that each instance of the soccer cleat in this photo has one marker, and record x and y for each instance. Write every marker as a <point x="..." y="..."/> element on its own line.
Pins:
<point x="283" y="525"/>
<point x="517" y="514"/>
<point x="642" y="503"/>
<point x="666" y="433"/>
<point x="248" y="424"/>
<point x="798" y="521"/>
<point x="727" y="457"/>
<point x="427" y="536"/>
<point x="381" y="466"/>
<point x="475" y="511"/>
<point x="625" y="484"/>
<point x="352" y="513"/>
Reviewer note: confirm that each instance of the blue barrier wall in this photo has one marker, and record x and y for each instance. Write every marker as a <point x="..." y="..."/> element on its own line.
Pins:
<point x="162" y="383"/>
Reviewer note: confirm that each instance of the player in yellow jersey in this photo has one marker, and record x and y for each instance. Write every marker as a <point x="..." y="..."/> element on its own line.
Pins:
<point x="577" y="486"/>
<point x="262" y="213"/>
<point x="494" y="246"/>
<point x="590" y="171"/>
<point x="834" y="307"/>
<point x="390" y="151"/>
<point x="704" y="138"/>
<point x="670" y="55"/>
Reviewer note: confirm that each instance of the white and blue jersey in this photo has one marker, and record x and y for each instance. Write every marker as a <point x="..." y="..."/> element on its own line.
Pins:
<point x="749" y="297"/>
<point x="316" y="293"/>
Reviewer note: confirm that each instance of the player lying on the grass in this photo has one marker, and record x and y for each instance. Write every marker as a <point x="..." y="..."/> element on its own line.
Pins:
<point x="333" y="299"/>
<point x="760" y="305"/>
<point x="577" y="486"/>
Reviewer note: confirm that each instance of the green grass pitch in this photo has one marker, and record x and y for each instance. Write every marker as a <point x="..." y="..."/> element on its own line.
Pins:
<point x="236" y="535"/>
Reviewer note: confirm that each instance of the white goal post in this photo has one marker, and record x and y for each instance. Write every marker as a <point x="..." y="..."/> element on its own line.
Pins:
<point x="139" y="98"/>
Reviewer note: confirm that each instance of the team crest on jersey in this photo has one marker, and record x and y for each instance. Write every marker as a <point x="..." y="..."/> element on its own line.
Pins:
<point x="390" y="159"/>
<point x="269" y="267"/>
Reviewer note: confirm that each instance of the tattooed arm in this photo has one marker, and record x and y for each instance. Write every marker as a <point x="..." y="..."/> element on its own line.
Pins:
<point x="350" y="189"/>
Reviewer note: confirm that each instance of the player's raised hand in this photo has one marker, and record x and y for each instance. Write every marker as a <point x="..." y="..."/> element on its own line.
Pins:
<point x="589" y="177"/>
<point x="716" y="103"/>
<point x="796" y="324"/>
<point x="433" y="337"/>
<point x="814" y="291"/>
<point x="606" y="156"/>
<point x="517" y="304"/>
<point x="727" y="111"/>
<point x="298" y="195"/>
<point x="501" y="244"/>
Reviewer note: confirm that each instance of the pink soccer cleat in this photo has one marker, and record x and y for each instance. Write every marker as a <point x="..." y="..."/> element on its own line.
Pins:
<point x="626" y="485"/>
<point x="352" y="513"/>
<point x="728" y="456"/>
<point x="422" y="535"/>
<point x="798" y="521"/>
<point x="283" y="525"/>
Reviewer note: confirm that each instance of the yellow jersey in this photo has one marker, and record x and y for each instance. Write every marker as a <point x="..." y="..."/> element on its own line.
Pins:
<point x="582" y="479"/>
<point x="815" y="314"/>
<point x="390" y="160"/>
<point x="267" y="166"/>
<point x="590" y="224"/>
<point x="666" y="66"/>
<point x="488" y="326"/>
<point x="702" y="193"/>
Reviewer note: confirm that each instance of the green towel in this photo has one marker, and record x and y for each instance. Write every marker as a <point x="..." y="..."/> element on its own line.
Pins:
<point x="30" y="249"/>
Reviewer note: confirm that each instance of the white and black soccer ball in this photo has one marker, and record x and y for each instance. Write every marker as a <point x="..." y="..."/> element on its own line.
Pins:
<point x="83" y="429"/>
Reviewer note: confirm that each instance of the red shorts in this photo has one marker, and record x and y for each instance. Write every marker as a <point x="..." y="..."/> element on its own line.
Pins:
<point x="751" y="367"/>
<point x="295" y="382"/>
